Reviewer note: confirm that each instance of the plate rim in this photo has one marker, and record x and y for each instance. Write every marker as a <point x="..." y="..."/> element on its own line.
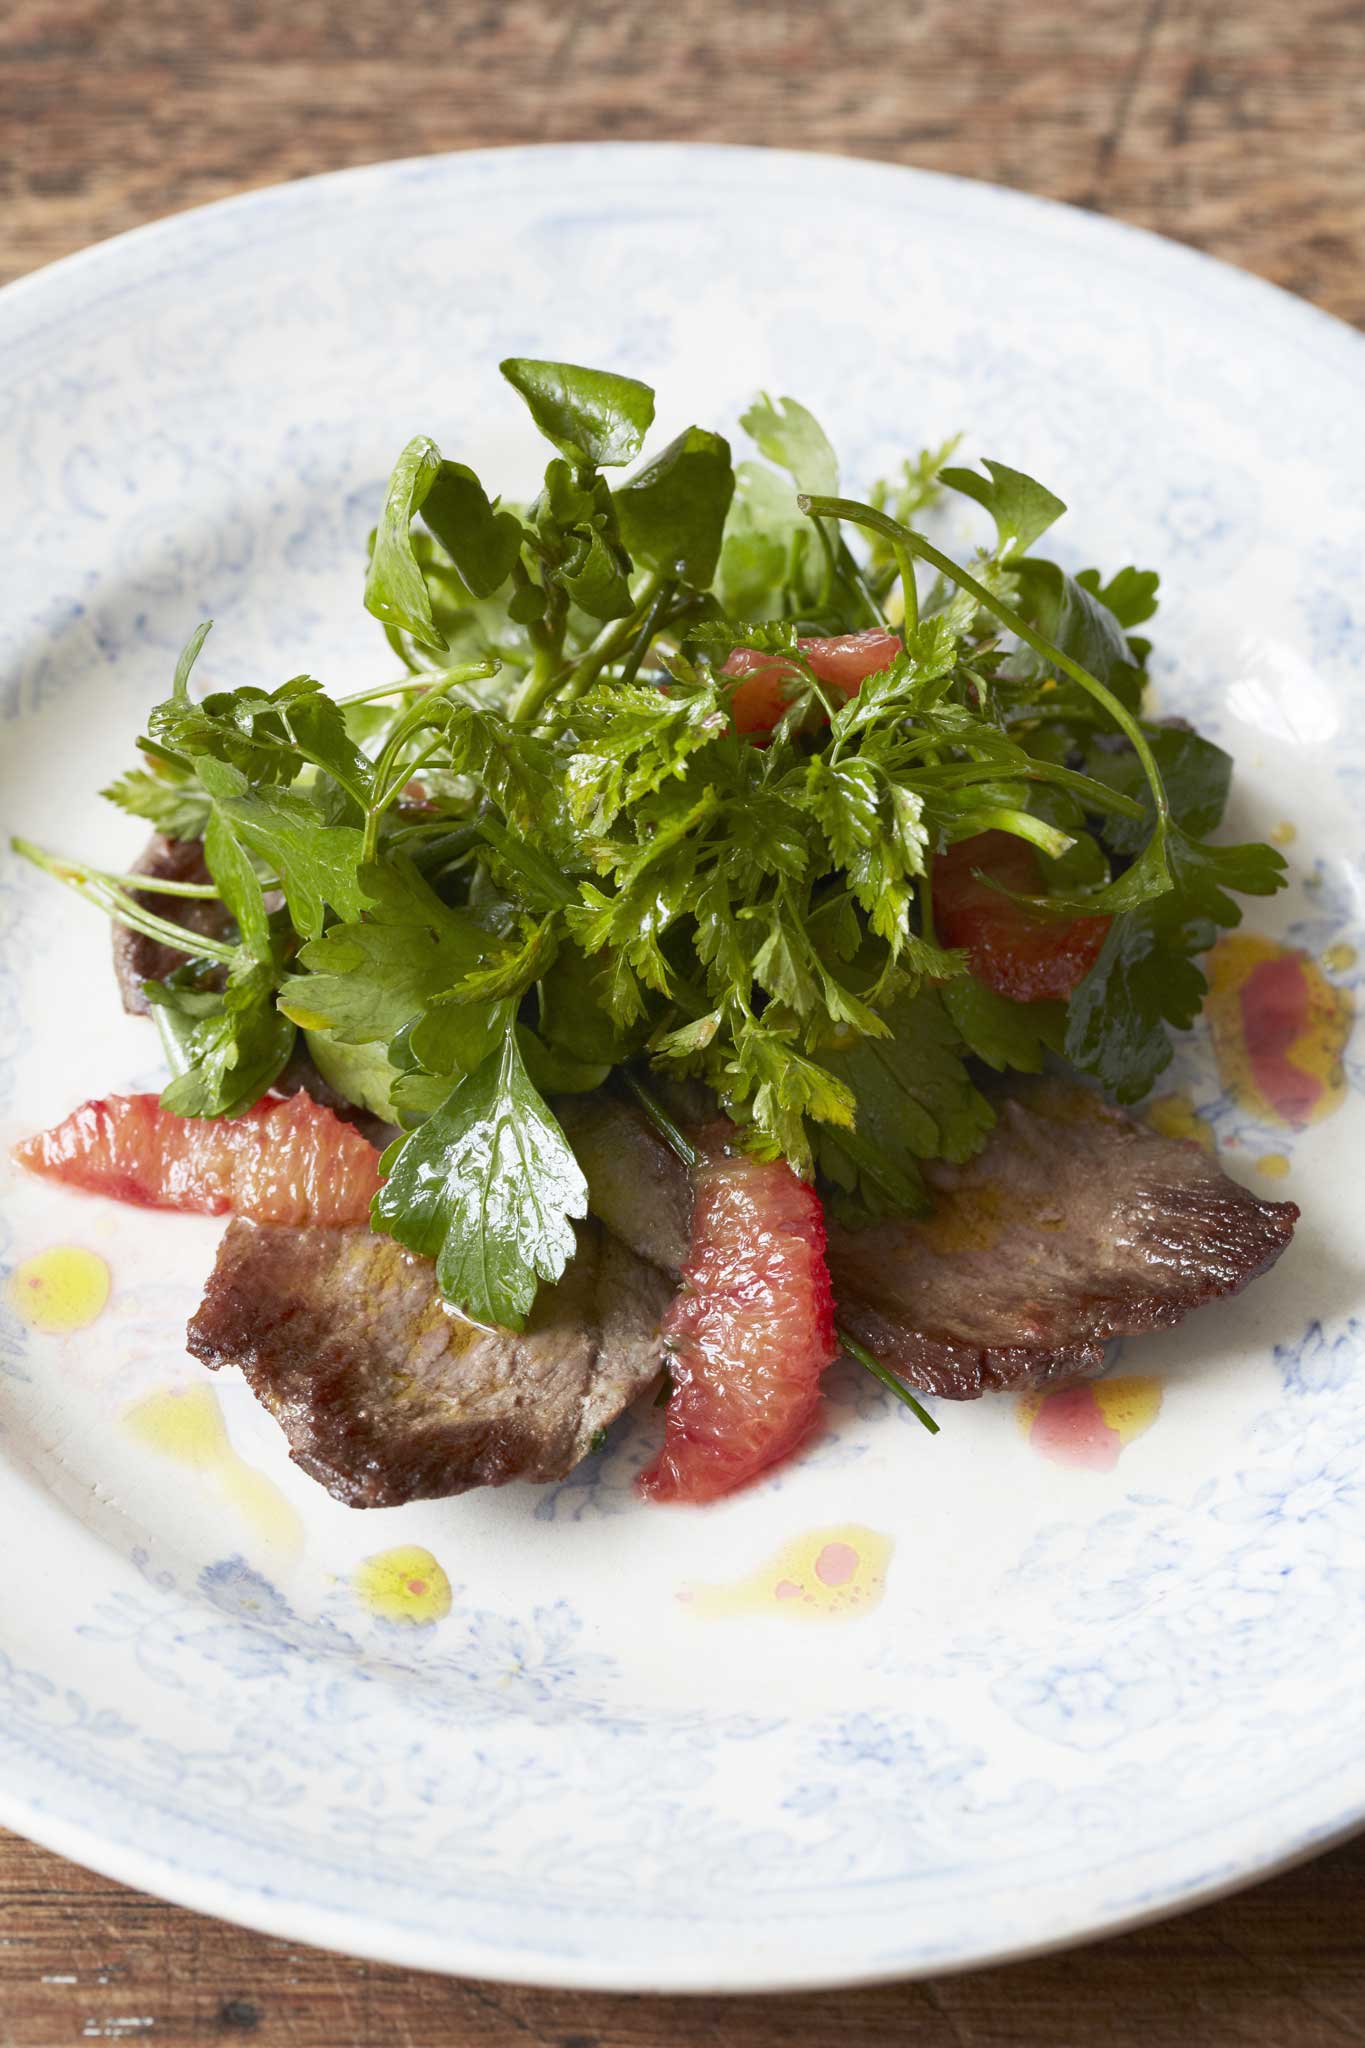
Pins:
<point x="374" y="1936"/>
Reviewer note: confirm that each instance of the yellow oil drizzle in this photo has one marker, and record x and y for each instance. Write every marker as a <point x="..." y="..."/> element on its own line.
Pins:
<point x="61" y="1290"/>
<point x="186" y="1425"/>
<point x="1279" y="1029"/>
<point x="1284" y="834"/>
<point x="825" y="1575"/>
<point x="1275" y="1165"/>
<point x="1175" y="1116"/>
<point x="406" y="1584"/>
<point x="1341" y="958"/>
<point x="1091" y="1421"/>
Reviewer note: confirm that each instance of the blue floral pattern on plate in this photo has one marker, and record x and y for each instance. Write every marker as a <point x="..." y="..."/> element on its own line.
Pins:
<point x="1086" y="1696"/>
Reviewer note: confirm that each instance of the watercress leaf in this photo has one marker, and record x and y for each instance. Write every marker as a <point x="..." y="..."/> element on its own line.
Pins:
<point x="790" y="436"/>
<point x="592" y="416"/>
<point x="487" y="1187"/>
<point x="672" y="513"/>
<point x="482" y="541"/>
<point x="395" y="589"/>
<point x="1022" y="508"/>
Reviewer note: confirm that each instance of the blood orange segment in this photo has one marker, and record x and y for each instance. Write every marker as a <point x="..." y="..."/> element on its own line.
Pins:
<point x="1018" y="953"/>
<point x="282" y="1162"/>
<point x="843" y="660"/>
<point x="751" y="1328"/>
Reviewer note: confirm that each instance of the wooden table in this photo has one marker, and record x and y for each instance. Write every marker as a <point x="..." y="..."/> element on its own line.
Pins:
<point x="1235" y="124"/>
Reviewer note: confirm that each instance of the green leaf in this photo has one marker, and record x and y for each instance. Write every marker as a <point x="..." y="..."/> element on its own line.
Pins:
<point x="189" y="654"/>
<point x="1197" y="775"/>
<point x="573" y="1021"/>
<point x="1075" y="620"/>
<point x="481" y="541"/>
<point x="173" y="804"/>
<point x="553" y="1071"/>
<point x="771" y="1083"/>
<point x="790" y="436"/>
<point x="913" y="1098"/>
<point x="1146" y="978"/>
<point x="1022" y="508"/>
<point x="591" y="416"/>
<point x="362" y="1073"/>
<point x="395" y="588"/>
<point x="1131" y="595"/>
<point x="1004" y="1034"/>
<point x="630" y="739"/>
<point x="508" y="971"/>
<point x="234" y="877"/>
<point x="672" y="513"/>
<point x="321" y="735"/>
<point x="223" y="1049"/>
<point x="367" y="980"/>
<point x="580" y="538"/>
<point x="487" y="1187"/>
<point x="766" y="564"/>
<point x="316" y="862"/>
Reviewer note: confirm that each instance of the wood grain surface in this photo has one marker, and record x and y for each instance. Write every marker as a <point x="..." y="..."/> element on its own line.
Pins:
<point x="1238" y="125"/>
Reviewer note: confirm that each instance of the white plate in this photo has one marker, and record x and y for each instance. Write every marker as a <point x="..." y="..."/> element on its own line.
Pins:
<point x="1090" y="1693"/>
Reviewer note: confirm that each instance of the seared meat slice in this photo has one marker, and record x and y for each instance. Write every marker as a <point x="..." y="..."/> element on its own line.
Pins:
<point x="636" y="1183"/>
<point x="138" y="958"/>
<point x="1074" y="1225"/>
<point x="385" y="1396"/>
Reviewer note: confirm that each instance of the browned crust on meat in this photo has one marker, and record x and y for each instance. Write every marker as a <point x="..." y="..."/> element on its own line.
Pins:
<point x="385" y="1396"/>
<point x="138" y="958"/>
<point x="1074" y="1226"/>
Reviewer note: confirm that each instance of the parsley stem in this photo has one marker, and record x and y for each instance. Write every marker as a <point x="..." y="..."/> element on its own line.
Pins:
<point x="692" y="1159"/>
<point x="860" y="1355"/>
<point x="426" y="679"/>
<point x="154" y="885"/>
<point x="909" y="588"/>
<point x="916" y="544"/>
<point x="107" y="893"/>
<point x="861" y="585"/>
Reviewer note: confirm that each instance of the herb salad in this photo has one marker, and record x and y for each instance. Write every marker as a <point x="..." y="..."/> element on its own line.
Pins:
<point x="677" y="779"/>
